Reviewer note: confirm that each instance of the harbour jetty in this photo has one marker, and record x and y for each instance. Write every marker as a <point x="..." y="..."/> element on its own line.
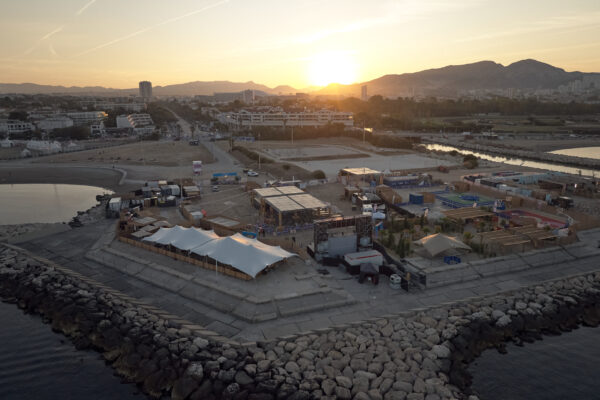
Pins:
<point x="417" y="355"/>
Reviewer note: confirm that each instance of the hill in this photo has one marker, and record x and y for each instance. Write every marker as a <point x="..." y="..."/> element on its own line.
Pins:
<point x="449" y="81"/>
<point x="453" y="79"/>
<point x="184" y="89"/>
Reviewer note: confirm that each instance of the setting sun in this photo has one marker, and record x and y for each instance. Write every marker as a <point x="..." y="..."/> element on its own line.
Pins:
<point x="332" y="67"/>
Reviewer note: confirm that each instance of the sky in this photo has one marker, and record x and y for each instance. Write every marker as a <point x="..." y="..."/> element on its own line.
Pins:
<point x="302" y="43"/>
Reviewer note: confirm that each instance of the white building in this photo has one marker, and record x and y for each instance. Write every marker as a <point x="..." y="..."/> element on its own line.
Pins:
<point x="87" y="117"/>
<point x="43" y="146"/>
<point x="13" y="126"/>
<point x="123" y="122"/>
<point x="52" y="123"/>
<point x="278" y="118"/>
<point x="98" y="129"/>
<point x="142" y="124"/>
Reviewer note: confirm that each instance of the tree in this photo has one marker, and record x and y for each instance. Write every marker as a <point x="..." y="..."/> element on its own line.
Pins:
<point x="401" y="247"/>
<point x="318" y="174"/>
<point x="470" y="161"/>
<point x="72" y="132"/>
<point x="467" y="236"/>
<point x="18" y="115"/>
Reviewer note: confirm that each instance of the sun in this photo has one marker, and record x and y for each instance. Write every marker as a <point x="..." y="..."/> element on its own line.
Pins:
<point x="332" y="67"/>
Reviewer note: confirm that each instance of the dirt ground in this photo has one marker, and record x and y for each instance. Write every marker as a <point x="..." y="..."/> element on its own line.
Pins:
<point x="334" y="141"/>
<point x="7" y="153"/>
<point x="276" y="169"/>
<point x="102" y="177"/>
<point x="333" y="193"/>
<point x="168" y="154"/>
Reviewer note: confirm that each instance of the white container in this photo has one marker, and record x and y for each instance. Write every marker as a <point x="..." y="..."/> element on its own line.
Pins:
<point x="370" y="256"/>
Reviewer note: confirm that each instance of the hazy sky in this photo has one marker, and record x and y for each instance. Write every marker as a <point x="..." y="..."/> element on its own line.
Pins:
<point x="117" y="43"/>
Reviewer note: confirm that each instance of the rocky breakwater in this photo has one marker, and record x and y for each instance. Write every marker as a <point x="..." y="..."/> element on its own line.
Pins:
<point x="418" y="355"/>
<point x="162" y="355"/>
<point x="553" y="158"/>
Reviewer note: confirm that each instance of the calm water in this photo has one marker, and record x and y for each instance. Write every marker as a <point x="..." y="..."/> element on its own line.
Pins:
<point x="562" y="367"/>
<point x="589" y="152"/>
<point x="42" y="364"/>
<point x="520" y="162"/>
<point x="40" y="202"/>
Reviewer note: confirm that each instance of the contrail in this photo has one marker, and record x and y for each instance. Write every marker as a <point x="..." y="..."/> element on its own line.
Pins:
<point x="49" y="34"/>
<point x="57" y="30"/>
<point x="82" y="9"/>
<point x="51" y="48"/>
<point x="168" y="21"/>
<point x="45" y="37"/>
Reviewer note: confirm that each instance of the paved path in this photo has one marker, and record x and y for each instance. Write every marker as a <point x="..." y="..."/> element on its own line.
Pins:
<point x="165" y="283"/>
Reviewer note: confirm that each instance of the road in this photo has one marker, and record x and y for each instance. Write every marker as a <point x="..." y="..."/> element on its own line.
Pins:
<point x="224" y="161"/>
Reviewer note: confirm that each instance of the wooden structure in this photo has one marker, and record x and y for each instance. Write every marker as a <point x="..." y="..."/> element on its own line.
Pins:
<point x="516" y="239"/>
<point x="467" y="213"/>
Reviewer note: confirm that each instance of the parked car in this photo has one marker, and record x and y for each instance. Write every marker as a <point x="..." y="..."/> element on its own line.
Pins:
<point x="252" y="173"/>
<point x="215" y="188"/>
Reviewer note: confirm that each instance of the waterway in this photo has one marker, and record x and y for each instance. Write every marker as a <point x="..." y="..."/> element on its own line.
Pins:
<point x="47" y="203"/>
<point x="521" y="162"/>
<point x="561" y="367"/>
<point x="36" y="363"/>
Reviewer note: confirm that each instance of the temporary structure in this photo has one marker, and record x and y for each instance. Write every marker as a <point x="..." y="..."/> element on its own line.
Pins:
<point x="193" y="238"/>
<point x="247" y="255"/>
<point x="166" y="236"/>
<point x="440" y="244"/>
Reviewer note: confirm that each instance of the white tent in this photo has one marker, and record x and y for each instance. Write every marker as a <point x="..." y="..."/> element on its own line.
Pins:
<point x="166" y="236"/>
<point x="247" y="255"/>
<point x="250" y="256"/>
<point x="439" y="244"/>
<point x="193" y="238"/>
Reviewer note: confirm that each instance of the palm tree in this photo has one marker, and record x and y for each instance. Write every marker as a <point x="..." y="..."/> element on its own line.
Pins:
<point x="467" y="236"/>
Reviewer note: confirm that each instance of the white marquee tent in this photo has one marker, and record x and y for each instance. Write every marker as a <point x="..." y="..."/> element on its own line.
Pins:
<point x="250" y="256"/>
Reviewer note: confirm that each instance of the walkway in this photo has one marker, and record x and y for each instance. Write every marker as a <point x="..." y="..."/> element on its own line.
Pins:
<point x="257" y="310"/>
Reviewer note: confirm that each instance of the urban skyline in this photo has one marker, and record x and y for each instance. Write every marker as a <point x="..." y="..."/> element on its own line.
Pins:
<point x="87" y="43"/>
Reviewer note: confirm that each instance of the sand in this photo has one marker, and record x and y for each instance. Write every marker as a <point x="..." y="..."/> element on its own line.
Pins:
<point x="168" y="154"/>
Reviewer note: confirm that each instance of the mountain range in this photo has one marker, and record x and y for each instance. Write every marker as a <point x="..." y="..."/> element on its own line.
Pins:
<point x="447" y="81"/>
<point x="453" y="79"/>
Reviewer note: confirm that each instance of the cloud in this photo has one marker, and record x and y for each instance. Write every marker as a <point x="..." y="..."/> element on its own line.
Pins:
<point x="149" y="28"/>
<point x="82" y="9"/>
